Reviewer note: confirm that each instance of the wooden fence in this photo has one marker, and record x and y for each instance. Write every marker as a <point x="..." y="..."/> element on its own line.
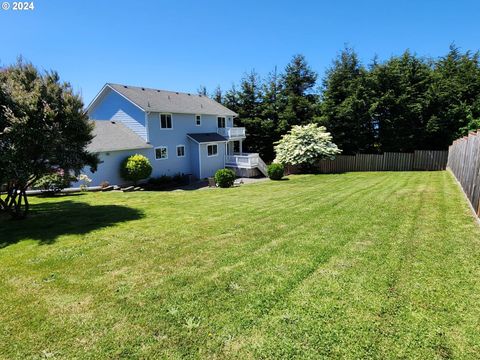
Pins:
<point x="418" y="160"/>
<point x="464" y="162"/>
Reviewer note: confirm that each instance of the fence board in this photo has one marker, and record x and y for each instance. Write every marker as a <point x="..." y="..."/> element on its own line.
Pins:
<point x="430" y="160"/>
<point x="464" y="162"/>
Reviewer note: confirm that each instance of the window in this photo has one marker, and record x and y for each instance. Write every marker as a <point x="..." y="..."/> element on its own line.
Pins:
<point x="161" y="153"/>
<point x="212" y="150"/>
<point x="198" y="120"/>
<point x="165" y="121"/>
<point x="221" y="122"/>
<point x="180" y="150"/>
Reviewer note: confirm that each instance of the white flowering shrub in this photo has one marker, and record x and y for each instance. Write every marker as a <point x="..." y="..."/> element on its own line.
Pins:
<point x="304" y="145"/>
<point x="85" y="182"/>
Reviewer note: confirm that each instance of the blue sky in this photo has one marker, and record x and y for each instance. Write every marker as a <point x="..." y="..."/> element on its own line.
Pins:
<point x="178" y="45"/>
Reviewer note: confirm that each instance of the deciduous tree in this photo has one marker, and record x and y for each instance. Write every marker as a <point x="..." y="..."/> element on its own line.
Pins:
<point x="43" y="128"/>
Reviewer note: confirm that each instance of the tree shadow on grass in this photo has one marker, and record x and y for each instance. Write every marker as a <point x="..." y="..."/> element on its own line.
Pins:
<point x="49" y="220"/>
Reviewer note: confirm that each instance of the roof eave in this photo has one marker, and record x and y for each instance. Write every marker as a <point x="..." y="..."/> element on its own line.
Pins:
<point x="191" y="113"/>
<point x="207" y="142"/>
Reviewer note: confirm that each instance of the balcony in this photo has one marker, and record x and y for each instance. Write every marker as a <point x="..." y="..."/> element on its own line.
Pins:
<point x="232" y="132"/>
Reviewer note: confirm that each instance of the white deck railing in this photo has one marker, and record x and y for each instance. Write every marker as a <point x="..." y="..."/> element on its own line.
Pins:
<point x="232" y="132"/>
<point x="246" y="160"/>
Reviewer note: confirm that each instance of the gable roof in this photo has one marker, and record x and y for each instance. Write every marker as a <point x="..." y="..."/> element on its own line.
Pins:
<point x="206" y="137"/>
<point x="112" y="136"/>
<point x="170" y="101"/>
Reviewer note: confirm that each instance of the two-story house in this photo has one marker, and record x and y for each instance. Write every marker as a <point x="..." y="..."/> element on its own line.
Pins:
<point x="177" y="132"/>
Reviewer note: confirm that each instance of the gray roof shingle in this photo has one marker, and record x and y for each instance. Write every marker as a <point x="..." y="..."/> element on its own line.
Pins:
<point x="206" y="137"/>
<point x="171" y="101"/>
<point x="112" y="136"/>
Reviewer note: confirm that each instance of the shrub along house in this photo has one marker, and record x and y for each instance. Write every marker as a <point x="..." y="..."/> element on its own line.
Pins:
<point x="178" y="133"/>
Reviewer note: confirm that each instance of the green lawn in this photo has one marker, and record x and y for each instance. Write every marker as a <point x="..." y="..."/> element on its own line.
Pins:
<point x="357" y="265"/>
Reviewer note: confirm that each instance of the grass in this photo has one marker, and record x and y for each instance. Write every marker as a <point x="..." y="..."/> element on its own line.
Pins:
<point x="358" y="265"/>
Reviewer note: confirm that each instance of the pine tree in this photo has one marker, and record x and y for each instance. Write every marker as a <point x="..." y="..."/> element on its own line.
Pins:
<point x="231" y="99"/>
<point x="298" y="96"/>
<point x="217" y="94"/>
<point x="345" y="104"/>
<point x="270" y="114"/>
<point x="250" y="96"/>
<point x="399" y="97"/>
<point x="454" y="98"/>
<point x="202" y="90"/>
<point x="271" y="97"/>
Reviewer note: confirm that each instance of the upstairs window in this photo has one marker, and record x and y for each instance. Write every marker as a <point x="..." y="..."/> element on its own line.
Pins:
<point x="165" y="121"/>
<point x="180" y="150"/>
<point x="198" y="120"/>
<point x="221" y="122"/>
<point x="212" y="150"/>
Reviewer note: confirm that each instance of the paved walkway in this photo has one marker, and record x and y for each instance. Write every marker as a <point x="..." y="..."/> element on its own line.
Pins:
<point x="253" y="180"/>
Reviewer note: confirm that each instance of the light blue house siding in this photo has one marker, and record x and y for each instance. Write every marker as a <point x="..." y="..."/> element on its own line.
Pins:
<point x="210" y="164"/>
<point x="171" y="138"/>
<point x="109" y="166"/>
<point x="113" y="106"/>
<point x="183" y="124"/>
<point x="194" y="158"/>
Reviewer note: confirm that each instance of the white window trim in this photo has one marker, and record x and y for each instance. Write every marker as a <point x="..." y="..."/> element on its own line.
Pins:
<point x="160" y="147"/>
<point x="216" y="154"/>
<point x="176" y="150"/>
<point x="196" y="124"/>
<point x="160" y="120"/>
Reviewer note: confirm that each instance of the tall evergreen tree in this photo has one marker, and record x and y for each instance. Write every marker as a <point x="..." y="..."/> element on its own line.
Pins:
<point x="298" y="96"/>
<point x="217" y="94"/>
<point x="345" y="104"/>
<point x="250" y="96"/>
<point x="400" y="88"/>
<point x="250" y="100"/>
<point x="202" y="90"/>
<point x="271" y="105"/>
<point x="231" y="99"/>
<point x="453" y="98"/>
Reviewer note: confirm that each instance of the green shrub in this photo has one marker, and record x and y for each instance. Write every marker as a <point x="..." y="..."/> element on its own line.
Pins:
<point x="166" y="182"/>
<point x="275" y="171"/>
<point x="178" y="178"/>
<point x="53" y="183"/>
<point x="160" y="180"/>
<point x="135" y="168"/>
<point x="224" y="178"/>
